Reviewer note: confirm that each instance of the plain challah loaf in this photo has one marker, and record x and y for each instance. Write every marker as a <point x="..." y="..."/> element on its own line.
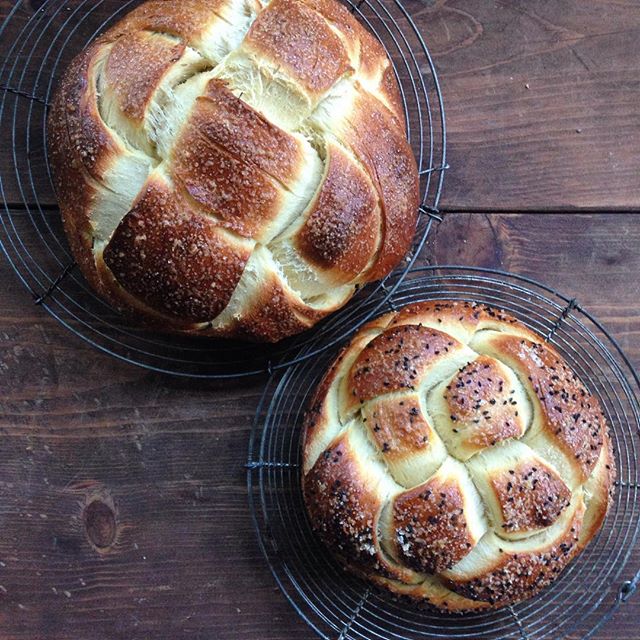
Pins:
<point x="451" y="455"/>
<point x="233" y="167"/>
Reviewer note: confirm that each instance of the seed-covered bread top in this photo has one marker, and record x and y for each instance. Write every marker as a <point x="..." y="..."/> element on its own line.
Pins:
<point x="452" y="455"/>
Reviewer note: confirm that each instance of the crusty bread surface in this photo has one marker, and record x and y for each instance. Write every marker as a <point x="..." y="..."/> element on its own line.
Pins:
<point x="451" y="455"/>
<point x="233" y="167"/>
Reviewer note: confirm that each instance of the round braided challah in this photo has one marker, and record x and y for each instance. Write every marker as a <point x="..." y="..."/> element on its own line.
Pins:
<point x="232" y="167"/>
<point x="451" y="455"/>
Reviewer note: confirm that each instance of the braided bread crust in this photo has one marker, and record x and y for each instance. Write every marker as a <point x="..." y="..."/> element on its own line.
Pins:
<point x="451" y="455"/>
<point x="233" y="167"/>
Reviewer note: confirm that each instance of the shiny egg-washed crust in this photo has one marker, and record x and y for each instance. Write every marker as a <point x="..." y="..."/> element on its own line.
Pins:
<point x="397" y="426"/>
<point x="232" y="167"/>
<point x="531" y="496"/>
<point x="482" y="406"/>
<point x="428" y="512"/>
<point x="514" y="575"/>
<point x="463" y="523"/>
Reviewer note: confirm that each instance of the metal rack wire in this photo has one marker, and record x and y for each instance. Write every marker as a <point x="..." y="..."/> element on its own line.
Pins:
<point x="337" y="605"/>
<point x="36" y="46"/>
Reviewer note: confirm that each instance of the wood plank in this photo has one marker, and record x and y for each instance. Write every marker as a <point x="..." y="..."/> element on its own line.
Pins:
<point x="166" y="456"/>
<point x="541" y="101"/>
<point x="592" y="257"/>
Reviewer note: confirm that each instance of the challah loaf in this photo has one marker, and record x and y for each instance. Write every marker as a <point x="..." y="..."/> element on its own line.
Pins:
<point x="233" y="167"/>
<point x="451" y="455"/>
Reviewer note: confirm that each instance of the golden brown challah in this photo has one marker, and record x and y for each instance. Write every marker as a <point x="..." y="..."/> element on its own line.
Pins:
<point x="232" y="167"/>
<point x="451" y="455"/>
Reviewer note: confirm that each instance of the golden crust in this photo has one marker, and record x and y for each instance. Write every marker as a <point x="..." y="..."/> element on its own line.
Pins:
<point x="377" y="139"/>
<point x="430" y="526"/>
<point x="571" y="417"/>
<point x="460" y="318"/>
<point x="342" y="229"/>
<point x="482" y="405"/>
<point x="299" y="42"/>
<point x="397" y="426"/>
<point x="347" y="508"/>
<point x="432" y="591"/>
<point x="243" y="132"/>
<point x="187" y="19"/>
<point x="397" y="360"/>
<point x="513" y="576"/>
<point x="79" y="148"/>
<point x="141" y="100"/>
<point x="76" y="112"/>
<point x="323" y="412"/>
<point x="136" y="63"/>
<point x="531" y="496"/>
<point x="275" y="314"/>
<point x="348" y="502"/>
<point x="599" y="490"/>
<point x="403" y="436"/>
<point x="236" y="191"/>
<point x="160" y="230"/>
<point x="498" y="524"/>
<point x="364" y="50"/>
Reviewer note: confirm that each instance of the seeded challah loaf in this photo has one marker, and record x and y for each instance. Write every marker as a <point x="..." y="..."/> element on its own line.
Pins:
<point x="233" y="167"/>
<point x="451" y="455"/>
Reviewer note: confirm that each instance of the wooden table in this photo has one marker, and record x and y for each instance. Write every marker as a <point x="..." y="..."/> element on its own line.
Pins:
<point x="542" y="107"/>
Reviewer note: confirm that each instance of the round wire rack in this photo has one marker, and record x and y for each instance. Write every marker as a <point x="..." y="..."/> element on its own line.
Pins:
<point x="338" y="605"/>
<point x="37" y="40"/>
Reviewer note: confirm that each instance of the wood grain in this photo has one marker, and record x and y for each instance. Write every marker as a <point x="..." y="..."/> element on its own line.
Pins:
<point x="592" y="257"/>
<point x="123" y="493"/>
<point x="166" y="456"/>
<point x="541" y="100"/>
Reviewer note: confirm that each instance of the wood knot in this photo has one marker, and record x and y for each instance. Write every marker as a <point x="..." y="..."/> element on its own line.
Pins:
<point x="100" y="524"/>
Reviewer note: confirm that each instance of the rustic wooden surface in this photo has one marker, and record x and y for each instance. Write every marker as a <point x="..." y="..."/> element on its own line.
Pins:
<point x="123" y="504"/>
<point x="166" y="457"/>
<point x="533" y="89"/>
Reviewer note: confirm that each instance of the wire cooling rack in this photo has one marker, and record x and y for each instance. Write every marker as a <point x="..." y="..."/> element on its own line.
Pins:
<point x="337" y="605"/>
<point x="37" y="41"/>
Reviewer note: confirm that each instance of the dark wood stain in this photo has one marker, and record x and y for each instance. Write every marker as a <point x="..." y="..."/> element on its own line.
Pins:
<point x="80" y="428"/>
<point x="123" y="493"/>
<point x="541" y="102"/>
<point x="100" y="523"/>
